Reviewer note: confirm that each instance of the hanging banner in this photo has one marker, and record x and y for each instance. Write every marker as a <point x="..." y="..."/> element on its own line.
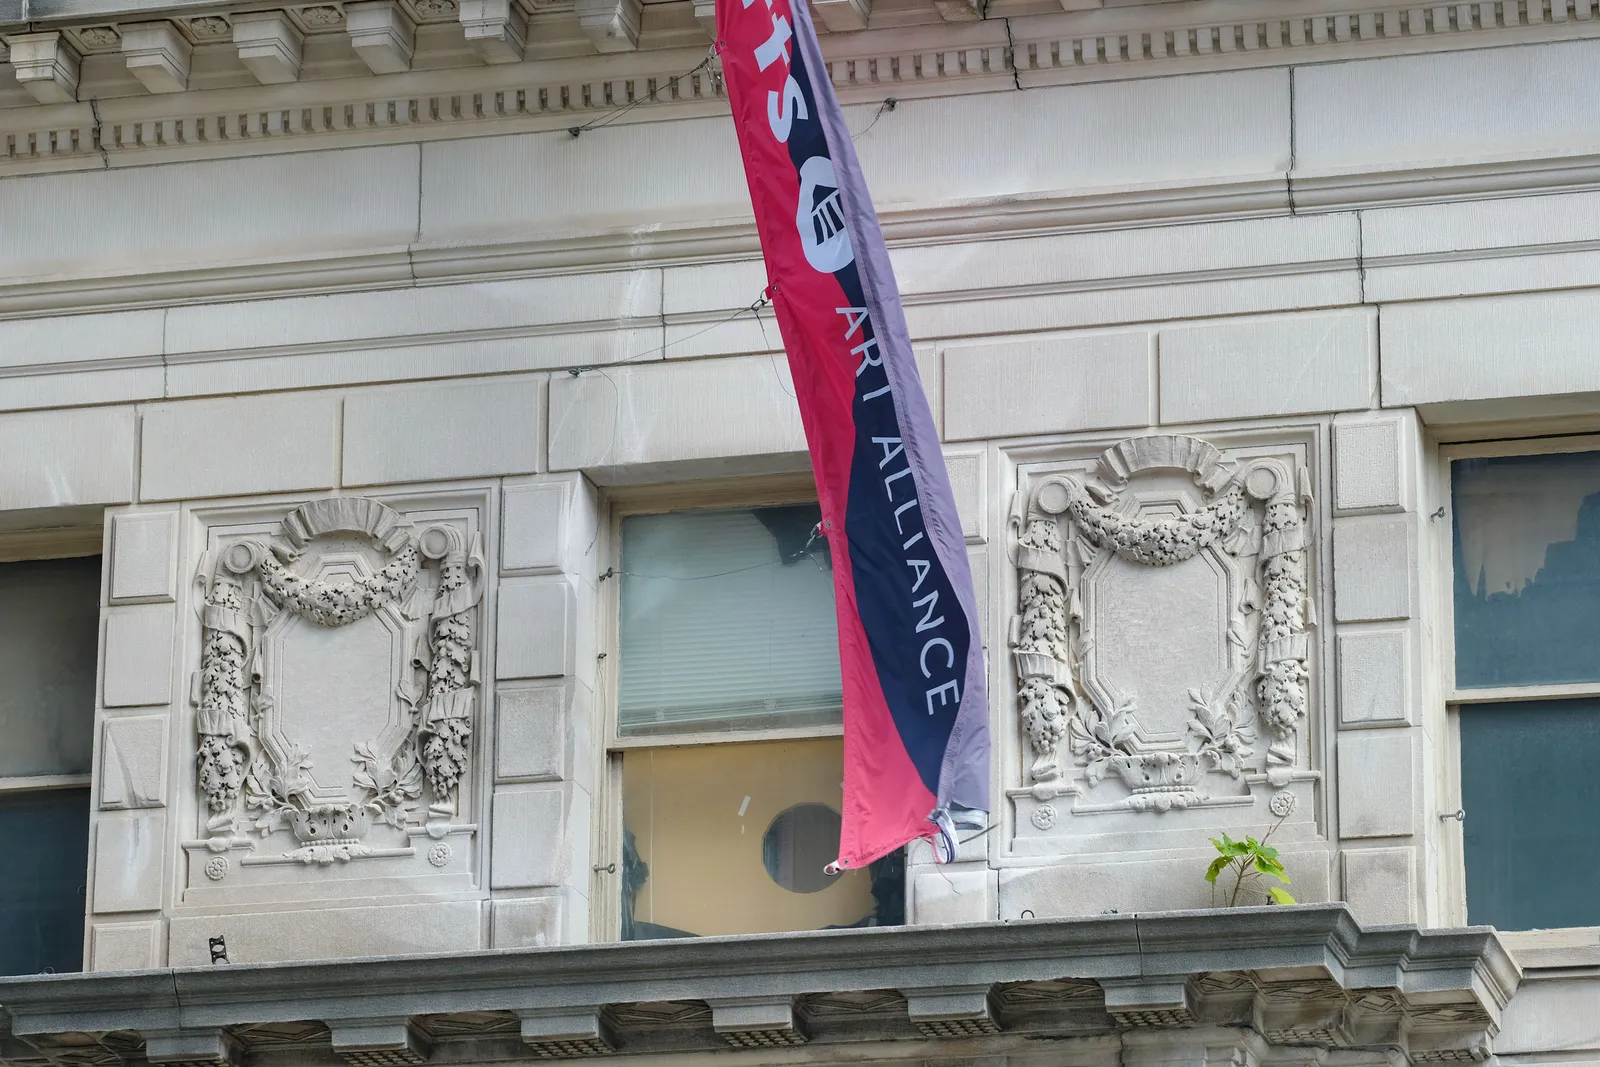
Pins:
<point x="916" y="721"/>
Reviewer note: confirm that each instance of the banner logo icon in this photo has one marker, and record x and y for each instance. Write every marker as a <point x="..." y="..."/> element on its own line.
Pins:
<point x="820" y="218"/>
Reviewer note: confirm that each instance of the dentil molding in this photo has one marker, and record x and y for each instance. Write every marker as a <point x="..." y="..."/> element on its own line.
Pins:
<point x="489" y="86"/>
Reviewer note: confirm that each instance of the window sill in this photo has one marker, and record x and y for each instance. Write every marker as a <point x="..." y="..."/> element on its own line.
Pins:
<point x="725" y="737"/>
<point x="1577" y="946"/>
<point x="33" y="783"/>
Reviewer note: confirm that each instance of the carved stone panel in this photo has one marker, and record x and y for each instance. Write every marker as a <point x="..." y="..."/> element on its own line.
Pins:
<point x="336" y="694"/>
<point x="1164" y="630"/>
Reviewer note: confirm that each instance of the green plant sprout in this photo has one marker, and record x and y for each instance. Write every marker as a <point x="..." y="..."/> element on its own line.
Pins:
<point x="1248" y="860"/>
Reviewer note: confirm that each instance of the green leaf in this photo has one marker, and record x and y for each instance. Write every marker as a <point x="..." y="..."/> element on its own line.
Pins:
<point x="1279" y="896"/>
<point x="1268" y="851"/>
<point x="1229" y="847"/>
<point x="1272" y="867"/>
<point x="1216" y="868"/>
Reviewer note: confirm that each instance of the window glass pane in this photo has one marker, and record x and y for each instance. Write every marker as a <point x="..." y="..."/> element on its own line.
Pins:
<point x="41" y="889"/>
<point x="1527" y="569"/>
<point x="727" y="622"/>
<point x="732" y="839"/>
<point x="1530" y="793"/>
<point x="49" y="627"/>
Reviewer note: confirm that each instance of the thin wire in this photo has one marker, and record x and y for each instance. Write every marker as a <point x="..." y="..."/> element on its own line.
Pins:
<point x="698" y="577"/>
<point x="756" y="306"/>
<point x="816" y="535"/>
<point x="772" y="357"/>
<point x="611" y="116"/>
<point x="888" y="105"/>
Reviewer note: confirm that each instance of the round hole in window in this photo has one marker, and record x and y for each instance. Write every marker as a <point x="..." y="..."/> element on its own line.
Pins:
<point x="800" y="842"/>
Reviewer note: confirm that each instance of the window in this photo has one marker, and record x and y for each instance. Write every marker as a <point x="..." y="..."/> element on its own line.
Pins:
<point x="1526" y="603"/>
<point x="49" y="624"/>
<point x="726" y="741"/>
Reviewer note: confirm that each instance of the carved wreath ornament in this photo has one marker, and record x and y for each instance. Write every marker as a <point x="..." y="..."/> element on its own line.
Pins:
<point x="1251" y="520"/>
<point x="252" y="778"/>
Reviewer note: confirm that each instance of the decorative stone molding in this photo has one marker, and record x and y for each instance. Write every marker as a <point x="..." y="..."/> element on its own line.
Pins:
<point x="257" y="779"/>
<point x="952" y="1012"/>
<point x="961" y="10"/>
<point x="1306" y="981"/>
<point x="496" y="29"/>
<point x="378" y="1043"/>
<point x="1263" y="28"/>
<point x="158" y="55"/>
<point x="321" y="16"/>
<point x="705" y="13"/>
<point x="1147" y="40"/>
<point x="445" y="729"/>
<point x="840" y="16"/>
<point x="382" y="34"/>
<point x="1083" y="545"/>
<point x="758" y="1022"/>
<point x="191" y="1047"/>
<point x="45" y="65"/>
<point x="270" y="46"/>
<point x="611" y="25"/>
<point x="208" y="27"/>
<point x="99" y="37"/>
<point x="566" y="1034"/>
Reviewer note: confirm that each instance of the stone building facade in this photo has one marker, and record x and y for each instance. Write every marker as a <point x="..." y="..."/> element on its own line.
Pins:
<point x="351" y="336"/>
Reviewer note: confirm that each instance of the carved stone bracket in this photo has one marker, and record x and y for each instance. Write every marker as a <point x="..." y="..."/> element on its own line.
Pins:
<point x="253" y="776"/>
<point x="1072" y="539"/>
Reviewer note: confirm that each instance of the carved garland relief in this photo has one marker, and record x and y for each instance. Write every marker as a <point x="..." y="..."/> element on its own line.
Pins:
<point x="1079" y="543"/>
<point x="255" y="778"/>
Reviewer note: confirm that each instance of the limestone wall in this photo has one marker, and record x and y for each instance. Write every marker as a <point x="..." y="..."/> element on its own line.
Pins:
<point x="1261" y="295"/>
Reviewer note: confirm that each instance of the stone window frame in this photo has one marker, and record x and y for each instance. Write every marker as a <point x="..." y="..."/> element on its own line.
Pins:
<point x="1452" y="870"/>
<point x="617" y="504"/>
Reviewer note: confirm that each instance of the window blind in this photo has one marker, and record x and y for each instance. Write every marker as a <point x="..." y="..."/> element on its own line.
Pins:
<point x="49" y="627"/>
<point x="727" y="622"/>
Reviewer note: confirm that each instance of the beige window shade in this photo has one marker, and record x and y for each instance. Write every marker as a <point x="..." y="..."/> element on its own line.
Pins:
<point x="706" y="849"/>
<point x="727" y="622"/>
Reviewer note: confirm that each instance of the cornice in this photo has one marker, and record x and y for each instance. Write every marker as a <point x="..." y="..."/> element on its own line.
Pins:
<point x="555" y="87"/>
<point x="1433" y="994"/>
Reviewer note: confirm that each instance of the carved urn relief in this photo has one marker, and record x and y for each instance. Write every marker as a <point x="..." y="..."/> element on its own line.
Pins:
<point x="337" y="685"/>
<point x="1164" y="628"/>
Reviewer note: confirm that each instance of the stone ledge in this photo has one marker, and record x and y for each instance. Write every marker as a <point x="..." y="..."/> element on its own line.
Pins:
<point x="1308" y="974"/>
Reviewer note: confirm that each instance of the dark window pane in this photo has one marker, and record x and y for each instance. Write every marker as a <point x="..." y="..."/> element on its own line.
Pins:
<point x="45" y="839"/>
<point x="1531" y="796"/>
<point x="49" y="627"/>
<point x="1527" y="569"/>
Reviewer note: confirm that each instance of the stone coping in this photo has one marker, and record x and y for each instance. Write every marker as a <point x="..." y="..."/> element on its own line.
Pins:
<point x="1159" y="969"/>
